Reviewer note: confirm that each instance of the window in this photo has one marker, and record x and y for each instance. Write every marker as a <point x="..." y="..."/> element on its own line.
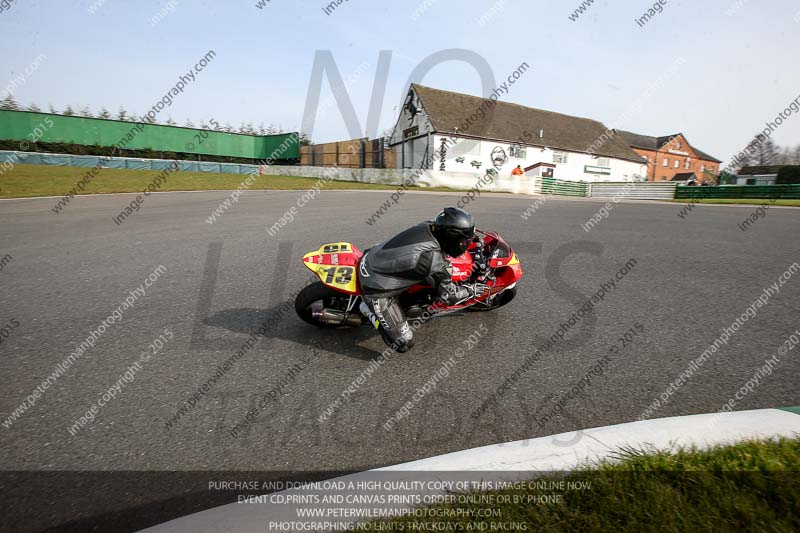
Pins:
<point x="517" y="153"/>
<point x="560" y="157"/>
<point x="466" y="147"/>
<point x="603" y="162"/>
<point x="702" y="168"/>
<point x="677" y="164"/>
<point x="666" y="162"/>
<point x="688" y="164"/>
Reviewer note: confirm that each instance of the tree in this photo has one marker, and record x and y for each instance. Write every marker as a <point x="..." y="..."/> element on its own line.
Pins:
<point x="796" y="155"/>
<point x="227" y="128"/>
<point x="261" y="130"/>
<point x="761" y="151"/>
<point x="727" y="178"/>
<point x="133" y="117"/>
<point x="51" y="109"/>
<point x="203" y="125"/>
<point x="784" y="156"/>
<point x="68" y="111"/>
<point x="188" y="124"/>
<point x="789" y="174"/>
<point x="85" y="111"/>
<point x="35" y="108"/>
<point x="122" y="114"/>
<point x="9" y="103"/>
<point x="171" y="122"/>
<point x="104" y="114"/>
<point x="710" y="178"/>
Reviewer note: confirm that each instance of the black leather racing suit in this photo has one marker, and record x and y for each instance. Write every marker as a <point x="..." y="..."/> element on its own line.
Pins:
<point x="388" y="269"/>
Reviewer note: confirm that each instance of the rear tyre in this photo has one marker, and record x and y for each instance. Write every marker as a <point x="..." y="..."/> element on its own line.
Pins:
<point x="319" y="296"/>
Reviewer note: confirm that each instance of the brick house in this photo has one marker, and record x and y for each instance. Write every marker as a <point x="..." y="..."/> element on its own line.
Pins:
<point x="671" y="156"/>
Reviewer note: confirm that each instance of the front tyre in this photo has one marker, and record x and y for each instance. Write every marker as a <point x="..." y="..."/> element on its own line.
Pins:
<point x="504" y="298"/>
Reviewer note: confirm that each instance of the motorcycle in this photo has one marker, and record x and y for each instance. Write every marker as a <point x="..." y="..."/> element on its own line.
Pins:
<point x="333" y="301"/>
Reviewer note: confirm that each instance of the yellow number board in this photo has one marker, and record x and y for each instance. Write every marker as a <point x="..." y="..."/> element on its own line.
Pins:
<point x="335" y="265"/>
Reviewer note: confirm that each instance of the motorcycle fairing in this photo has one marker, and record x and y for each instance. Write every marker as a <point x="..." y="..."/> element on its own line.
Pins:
<point x="336" y="264"/>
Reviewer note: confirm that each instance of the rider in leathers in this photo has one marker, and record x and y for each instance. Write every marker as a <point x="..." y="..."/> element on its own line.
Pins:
<point x="414" y="256"/>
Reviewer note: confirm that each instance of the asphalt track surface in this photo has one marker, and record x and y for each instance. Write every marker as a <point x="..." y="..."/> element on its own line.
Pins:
<point x="692" y="278"/>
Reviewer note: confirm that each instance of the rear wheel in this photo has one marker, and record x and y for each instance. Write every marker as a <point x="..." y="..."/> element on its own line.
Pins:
<point x="317" y="297"/>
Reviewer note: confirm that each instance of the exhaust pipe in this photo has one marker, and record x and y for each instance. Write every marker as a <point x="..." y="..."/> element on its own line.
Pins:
<point x="337" y="318"/>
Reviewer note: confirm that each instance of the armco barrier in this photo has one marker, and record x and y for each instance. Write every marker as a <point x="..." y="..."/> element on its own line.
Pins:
<point x="786" y="192"/>
<point x="68" y="160"/>
<point x="635" y="190"/>
<point x="412" y="177"/>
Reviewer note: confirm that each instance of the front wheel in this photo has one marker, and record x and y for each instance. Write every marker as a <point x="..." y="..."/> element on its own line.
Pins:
<point x="318" y="297"/>
<point x="504" y="298"/>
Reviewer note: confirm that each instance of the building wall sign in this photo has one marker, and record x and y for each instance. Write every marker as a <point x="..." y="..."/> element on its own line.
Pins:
<point x="410" y="132"/>
<point x="590" y="169"/>
<point x="678" y="152"/>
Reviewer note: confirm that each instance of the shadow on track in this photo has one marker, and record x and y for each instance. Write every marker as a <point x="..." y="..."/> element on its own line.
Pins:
<point x="343" y="341"/>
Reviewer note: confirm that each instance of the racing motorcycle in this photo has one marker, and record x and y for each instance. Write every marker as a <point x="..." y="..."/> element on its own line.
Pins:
<point x="333" y="301"/>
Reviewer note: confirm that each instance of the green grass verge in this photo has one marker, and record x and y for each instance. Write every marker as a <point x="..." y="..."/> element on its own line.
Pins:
<point x="751" y="201"/>
<point x="26" y="181"/>
<point x="751" y="486"/>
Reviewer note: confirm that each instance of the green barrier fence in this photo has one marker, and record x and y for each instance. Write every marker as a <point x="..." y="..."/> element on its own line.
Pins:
<point x="563" y="188"/>
<point x="26" y="126"/>
<point x="787" y="192"/>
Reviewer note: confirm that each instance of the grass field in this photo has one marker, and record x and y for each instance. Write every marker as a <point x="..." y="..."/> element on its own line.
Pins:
<point x="26" y="181"/>
<point x="750" y="201"/>
<point x="751" y="486"/>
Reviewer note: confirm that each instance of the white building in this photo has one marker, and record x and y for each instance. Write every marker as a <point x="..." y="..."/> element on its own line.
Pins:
<point x="442" y="130"/>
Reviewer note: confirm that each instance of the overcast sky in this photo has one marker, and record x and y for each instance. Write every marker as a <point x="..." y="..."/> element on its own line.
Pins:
<point x="714" y="70"/>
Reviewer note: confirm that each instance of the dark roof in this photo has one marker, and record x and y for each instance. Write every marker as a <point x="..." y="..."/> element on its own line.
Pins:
<point x="684" y="176"/>
<point x="654" y="143"/>
<point x="645" y="141"/>
<point x="504" y="121"/>
<point x="705" y="156"/>
<point x="540" y="164"/>
<point x="760" y="170"/>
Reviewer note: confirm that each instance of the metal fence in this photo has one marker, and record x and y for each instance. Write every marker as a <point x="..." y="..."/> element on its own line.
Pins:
<point x="68" y="160"/>
<point x="635" y="190"/>
<point x="85" y="131"/>
<point x="563" y="188"/>
<point x="789" y="192"/>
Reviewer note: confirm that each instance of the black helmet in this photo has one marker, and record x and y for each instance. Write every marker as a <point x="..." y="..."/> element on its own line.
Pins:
<point x="454" y="228"/>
